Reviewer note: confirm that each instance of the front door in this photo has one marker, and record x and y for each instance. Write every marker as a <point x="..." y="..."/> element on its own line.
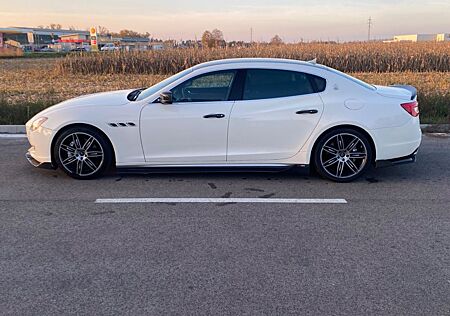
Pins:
<point x="193" y="129"/>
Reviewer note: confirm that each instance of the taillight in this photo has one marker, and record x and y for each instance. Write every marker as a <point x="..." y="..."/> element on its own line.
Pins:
<point x="412" y="108"/>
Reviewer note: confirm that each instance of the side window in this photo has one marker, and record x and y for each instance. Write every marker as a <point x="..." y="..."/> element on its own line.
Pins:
<point x="213" y="86"/>
<point x="269" y="83"/>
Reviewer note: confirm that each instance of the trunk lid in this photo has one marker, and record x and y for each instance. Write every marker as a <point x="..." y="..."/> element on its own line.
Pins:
<point x="402" y="92"/>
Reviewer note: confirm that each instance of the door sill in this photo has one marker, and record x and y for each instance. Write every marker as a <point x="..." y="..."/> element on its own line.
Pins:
<point x="266" y="168"/>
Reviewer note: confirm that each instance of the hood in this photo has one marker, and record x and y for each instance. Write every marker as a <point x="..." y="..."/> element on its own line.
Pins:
<point x="112" y="98"/>
<point x="394" y="92"/>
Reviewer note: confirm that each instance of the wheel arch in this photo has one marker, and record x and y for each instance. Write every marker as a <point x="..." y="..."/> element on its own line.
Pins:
<point x="349" y="126"/>
<point x="72" y="125"/>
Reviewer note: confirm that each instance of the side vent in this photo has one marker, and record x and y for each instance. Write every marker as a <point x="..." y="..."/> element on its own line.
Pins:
<point x="122" y="124"/>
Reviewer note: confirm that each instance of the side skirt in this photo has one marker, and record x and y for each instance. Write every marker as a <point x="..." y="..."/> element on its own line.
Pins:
<point x="211" y="169"/>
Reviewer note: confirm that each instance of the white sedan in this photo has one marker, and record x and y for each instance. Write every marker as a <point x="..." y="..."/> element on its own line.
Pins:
<point x="236" y="113"/>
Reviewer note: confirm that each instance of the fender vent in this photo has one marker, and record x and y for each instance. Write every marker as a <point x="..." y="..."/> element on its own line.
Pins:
<point x="122" y="124"/>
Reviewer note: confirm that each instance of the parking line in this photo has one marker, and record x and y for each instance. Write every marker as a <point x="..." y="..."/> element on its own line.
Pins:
<point x="222" y="200"/>
<point x="13" y="135"/>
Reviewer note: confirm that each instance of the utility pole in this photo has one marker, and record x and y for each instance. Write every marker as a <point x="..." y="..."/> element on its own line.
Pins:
<point x="370" y="28"/>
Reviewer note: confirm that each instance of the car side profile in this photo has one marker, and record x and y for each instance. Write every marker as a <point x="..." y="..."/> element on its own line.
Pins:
<point x="247" y="114"/>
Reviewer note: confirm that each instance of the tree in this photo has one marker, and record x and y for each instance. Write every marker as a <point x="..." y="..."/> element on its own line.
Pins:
<point x="103" y="31"/>
<point x="276" y="40"/>
<point x="55" y="26"/>
<point x="130" y="33"/>
<point x="52" y="26"/>
<point x="213" y="39"/>
<point x="207" y="41"/>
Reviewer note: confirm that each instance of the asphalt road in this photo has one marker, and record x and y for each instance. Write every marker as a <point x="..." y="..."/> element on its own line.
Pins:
<point x="385" y="252"/>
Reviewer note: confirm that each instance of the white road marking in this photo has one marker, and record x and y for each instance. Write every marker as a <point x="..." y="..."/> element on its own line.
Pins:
<point x="13" y="135"/>
<point x="222" y="200"/>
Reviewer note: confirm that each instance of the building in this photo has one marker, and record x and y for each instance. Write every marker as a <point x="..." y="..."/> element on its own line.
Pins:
<point x="414" y="38"/>
<point x="35" y="38"/>
<point x="134" y="43"/>
<point x="443" y="37"/>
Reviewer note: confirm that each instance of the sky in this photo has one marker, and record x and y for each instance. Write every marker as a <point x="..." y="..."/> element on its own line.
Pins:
<point x="293" y="20"/>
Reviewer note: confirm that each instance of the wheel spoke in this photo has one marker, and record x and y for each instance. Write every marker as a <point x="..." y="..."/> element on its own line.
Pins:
<point x="94" y="153"/>
<point x="68" y="160"/>
<point x="330" y="162"/>
<point x="67" y="149"/>
<point x="76" y="140"/>
<point x="357" y="155"/>
<point x="79" y="167"/>
<point x="352" y="144"/>
<point x="340" y="169"/>
<point x="352" y="166"/>
<point x="340" y="141"/>
<point x="90" y="164"/>
<point x="88" y="143"/>
<point x="330" y="150"/>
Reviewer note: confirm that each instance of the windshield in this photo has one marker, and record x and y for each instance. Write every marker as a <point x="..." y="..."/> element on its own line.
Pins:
<point x="155" y="88"/>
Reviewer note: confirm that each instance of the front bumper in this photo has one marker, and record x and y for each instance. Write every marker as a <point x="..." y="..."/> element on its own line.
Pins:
<point x="39" y="154"/>
<point x="37" y="164"/>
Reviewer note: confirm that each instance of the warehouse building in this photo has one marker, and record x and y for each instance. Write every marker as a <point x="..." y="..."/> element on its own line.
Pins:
<point x="442" y="37"/>
<point x="32" y="38"/>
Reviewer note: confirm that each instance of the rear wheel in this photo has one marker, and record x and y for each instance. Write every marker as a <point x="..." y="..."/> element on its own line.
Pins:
<point x="82" y="153"/>
<point x="342" y="155"/>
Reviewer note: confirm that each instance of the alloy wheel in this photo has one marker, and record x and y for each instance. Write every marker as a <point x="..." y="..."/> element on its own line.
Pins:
<point x="343" y="155"/>
<point x="81" y="154"/>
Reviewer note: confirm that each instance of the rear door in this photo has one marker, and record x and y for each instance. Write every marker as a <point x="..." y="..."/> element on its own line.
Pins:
<point x="278" y="112"/>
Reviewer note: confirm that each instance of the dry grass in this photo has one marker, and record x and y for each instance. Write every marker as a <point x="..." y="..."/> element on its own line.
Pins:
<point x="35" y="83"/>
<point x="10" y="52"/>
<point x="350" y="57"/>
<point x="35" y="80"/>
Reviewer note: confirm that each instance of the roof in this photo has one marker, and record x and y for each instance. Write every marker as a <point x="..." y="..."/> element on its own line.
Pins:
<point x="40" y="31"/>
<point x="232" y="61"/>
<point x="135" y="39"/>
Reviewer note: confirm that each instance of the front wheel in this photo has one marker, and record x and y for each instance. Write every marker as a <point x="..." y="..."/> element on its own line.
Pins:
<point x="82" y="153"/>
<point x="342" y="155"/>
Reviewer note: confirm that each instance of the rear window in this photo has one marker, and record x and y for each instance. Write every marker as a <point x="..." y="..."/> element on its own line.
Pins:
<point x="270" y="83"/>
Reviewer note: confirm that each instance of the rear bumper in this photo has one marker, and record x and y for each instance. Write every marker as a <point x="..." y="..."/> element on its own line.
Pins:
<point x="395" y="142"/>
<point x="397" y="161"/>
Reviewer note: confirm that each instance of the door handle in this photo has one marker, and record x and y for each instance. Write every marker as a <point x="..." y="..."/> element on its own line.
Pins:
<point x="214" y="116"/>
<point x="307" y="112"/>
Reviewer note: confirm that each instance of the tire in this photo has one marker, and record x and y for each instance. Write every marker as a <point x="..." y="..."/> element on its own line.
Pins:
<point x="343" y="155"/>
<point x="83" y="153"/>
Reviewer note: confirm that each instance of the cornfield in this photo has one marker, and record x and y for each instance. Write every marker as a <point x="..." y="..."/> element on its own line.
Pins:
<point x="350" y="57"/>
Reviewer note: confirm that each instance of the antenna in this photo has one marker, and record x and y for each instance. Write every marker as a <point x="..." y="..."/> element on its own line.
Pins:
<point x="370" y="23"/>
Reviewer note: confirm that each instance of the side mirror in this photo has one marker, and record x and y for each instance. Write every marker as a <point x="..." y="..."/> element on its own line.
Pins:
<point x="166" y="98"/>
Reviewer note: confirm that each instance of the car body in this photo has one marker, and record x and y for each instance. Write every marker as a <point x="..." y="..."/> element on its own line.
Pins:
<point x="235" y="113"/>
<point x="109" y="47"/>
<point x="79" y="49"/>
<point x="46" y="49"/>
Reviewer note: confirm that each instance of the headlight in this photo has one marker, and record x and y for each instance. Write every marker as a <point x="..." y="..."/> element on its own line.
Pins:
<point x="37" y="123"/>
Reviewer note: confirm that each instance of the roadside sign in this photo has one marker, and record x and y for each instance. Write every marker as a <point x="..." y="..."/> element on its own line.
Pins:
<point x="94" y="44"/>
